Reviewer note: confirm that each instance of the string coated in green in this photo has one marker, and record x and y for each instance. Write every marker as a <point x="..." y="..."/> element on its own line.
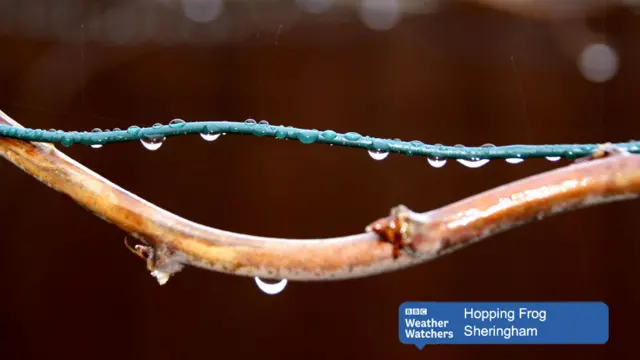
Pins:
<point x="158" y="132"/>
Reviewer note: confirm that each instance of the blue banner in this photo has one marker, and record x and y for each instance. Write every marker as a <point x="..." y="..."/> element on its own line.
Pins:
<point x="431" y="323"/>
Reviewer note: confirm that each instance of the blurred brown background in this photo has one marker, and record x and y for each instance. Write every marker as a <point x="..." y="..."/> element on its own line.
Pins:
<point x="436" y="72"/>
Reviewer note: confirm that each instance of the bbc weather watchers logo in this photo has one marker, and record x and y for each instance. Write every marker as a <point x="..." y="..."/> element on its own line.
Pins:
<point x="415" y="311"/>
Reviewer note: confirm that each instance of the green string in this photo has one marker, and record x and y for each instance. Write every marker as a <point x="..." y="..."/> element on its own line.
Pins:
<point x="178" y="127"/>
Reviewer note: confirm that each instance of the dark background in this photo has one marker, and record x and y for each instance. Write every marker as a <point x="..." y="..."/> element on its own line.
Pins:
<point x="462" y="74"/>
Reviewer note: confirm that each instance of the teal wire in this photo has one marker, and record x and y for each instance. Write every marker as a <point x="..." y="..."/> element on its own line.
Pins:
<point x="306" y="136"/>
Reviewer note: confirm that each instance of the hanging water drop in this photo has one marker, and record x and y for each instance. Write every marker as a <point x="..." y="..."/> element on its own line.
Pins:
<point x="250" y="122"/>
<point x="378" y="155"/>
<point x="211" y="136"/>
<point x="436" y="162"/>
<point x="157" y="125"/>
<point x="553" y="158"/>
<point x="514" y="160"/>
<point x="152" y="142"/>
<point x="271" y="289"/>
<point x="177" y="123"/>
<point x="263" y="122"/>
<point x="473" y="163"/>
<point x="96" y="146"/>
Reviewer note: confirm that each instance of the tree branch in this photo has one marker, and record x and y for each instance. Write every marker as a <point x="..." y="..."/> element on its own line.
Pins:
<point x="174" y="241"/>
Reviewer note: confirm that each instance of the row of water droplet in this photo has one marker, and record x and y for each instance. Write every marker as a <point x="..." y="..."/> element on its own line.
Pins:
<point x="472" y="163"/>
<point x="476" y="163"/>
<point x="152" y="142"/>
<point x="155" y="142"/>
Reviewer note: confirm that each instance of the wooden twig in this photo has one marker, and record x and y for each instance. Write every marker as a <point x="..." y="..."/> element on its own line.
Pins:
<point x="172" y="241"/>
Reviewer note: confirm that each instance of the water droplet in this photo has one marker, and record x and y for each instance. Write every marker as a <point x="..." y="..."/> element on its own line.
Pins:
<point x="263" y="122"/>
<point x="133" y="130"/>
<point x="66" y="141"/>
<point x="329" y="134"/>
<point x="380" y="151"/>
<point x="250" y="122"/>
<point x="281" y="133"/>
<point x="378" y="155"/>
<point x="271" y="289"/>
<point x="307" y="137"/>
<point x="211" y="136"/>
<point x="52" y="130"/>
<point x="177" y="123"/>
<point x="352" y="136"/>
<point x="260" y="130"/>
<point x="553" y="158"/>
<point x="117" y="129"/>
<point x="161" y="276"/>
<point x="157" y="125"/>
<point x="152" y="142"/>
<point x="96" y="146"/>
<point x="436" y="162"/>
<point x="475" y="163"/>
<point x="380" y="145"/>
<point x="514" y="160"/>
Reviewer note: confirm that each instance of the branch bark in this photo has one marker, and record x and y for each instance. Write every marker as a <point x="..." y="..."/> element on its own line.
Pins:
<point x="173" y="242"/>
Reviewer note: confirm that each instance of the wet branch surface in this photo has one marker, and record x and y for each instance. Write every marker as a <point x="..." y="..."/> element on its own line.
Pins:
<point x="402" y="239"/>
